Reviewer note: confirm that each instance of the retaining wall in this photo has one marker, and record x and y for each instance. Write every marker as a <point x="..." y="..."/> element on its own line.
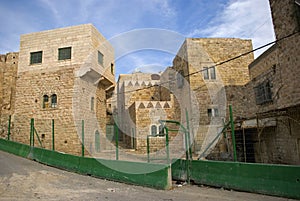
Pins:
<point x="278" y="180"/>
<point x="157" y="176"/>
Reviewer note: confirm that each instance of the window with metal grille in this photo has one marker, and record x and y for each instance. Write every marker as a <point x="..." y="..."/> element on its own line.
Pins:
<point x="64" y="53"/>
<point x="36" y="57"/>
<point x="263" y="93"/>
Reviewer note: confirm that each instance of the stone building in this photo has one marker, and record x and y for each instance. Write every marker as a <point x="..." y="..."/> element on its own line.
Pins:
<point x="8" y="72"/>
<point x="198" y="100"/>
<point x="62" y="74"/>
<point x="267" y="129"/>
<point x="210" y="83"/>
<point x="141" y="102"/>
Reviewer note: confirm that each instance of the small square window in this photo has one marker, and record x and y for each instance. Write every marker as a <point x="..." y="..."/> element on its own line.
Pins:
<point x="36" y="57"/>
<point x="64" y="53"/>
<point x="212" y="112"/>
<point x="209" y="73"/>
<point x="100" y="58"/>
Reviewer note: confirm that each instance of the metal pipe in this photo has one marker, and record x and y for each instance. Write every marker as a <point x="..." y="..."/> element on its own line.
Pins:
<point x="167" y="145"/>
<point x="32" y="132"/>
<point x="232" y="133"/>
<point x="188" y="134"/>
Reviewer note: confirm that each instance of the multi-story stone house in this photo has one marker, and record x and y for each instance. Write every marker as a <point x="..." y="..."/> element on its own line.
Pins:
<point x="209" y="82"/>
<point x="268" y="127"/>
<point x="63" y="74"/>
<point x="141" y="102"/>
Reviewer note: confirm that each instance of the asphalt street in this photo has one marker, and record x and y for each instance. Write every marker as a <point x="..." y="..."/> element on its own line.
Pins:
<point x="23" y="179"/>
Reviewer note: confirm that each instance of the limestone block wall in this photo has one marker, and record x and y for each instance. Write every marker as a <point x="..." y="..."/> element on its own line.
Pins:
<point x="210" y="94"/>
<point x="147" y="113"/>
<point x="9" y="66"/>
<point x="8" y="72"/>
<point x="285" y="17"/>
<point x="79" y="83"/>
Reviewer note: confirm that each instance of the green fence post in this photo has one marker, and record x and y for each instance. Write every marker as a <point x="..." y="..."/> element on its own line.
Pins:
<point x="188" y="134"/>
<point x="167" y="145"/>
<point x="53" y="141"/>
<point x="8" y="129"/>
<point x="32" y="132"/>
<point x="232" y="133"/>
<point x="82" y="140"/>
<point x="148" y="149"/>
<point x="117" y="141"/>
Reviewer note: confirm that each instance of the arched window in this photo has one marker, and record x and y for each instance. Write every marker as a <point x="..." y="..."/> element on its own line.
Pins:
<point x="97" y="141"/>
<point x="153" y="130"/>
<point x="45" y="101"/>
<point x="53" y="100"/>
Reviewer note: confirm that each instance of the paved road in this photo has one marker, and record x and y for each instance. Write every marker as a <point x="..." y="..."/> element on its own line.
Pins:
<point x="22" y="179"/>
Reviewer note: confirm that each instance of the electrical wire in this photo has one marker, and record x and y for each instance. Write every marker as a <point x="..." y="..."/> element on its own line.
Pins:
<point x="217" y="64"/>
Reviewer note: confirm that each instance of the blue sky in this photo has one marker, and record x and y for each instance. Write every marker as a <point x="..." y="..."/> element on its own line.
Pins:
<point x="248" y="19"/>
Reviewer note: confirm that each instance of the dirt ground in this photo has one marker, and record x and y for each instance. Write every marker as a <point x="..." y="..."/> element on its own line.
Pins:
<point x="22" y="179"/>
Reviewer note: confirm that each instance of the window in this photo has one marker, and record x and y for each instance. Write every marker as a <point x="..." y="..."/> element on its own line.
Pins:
<point x="153" y="130"/>
<point x="209" y="73"/>
<point x="36" y="57"/>
<point x="64" y="53"/>
<point x="205" y="73"/>
<point x="45" y="101"/>
<point x="112" y="68"/>
<point x="263" y="93"/>
<point x="161" y="129"/>
<point x="212" y="73"/>
<point x="53" y="100"/>
<point x="212" y="112"/>
<point x="180" y="79"/>
<point x="100" y="58"/>
<point x="92" y="103"/>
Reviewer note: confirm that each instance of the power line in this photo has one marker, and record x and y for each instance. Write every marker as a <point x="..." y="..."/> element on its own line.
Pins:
<point x="218" y="64"/>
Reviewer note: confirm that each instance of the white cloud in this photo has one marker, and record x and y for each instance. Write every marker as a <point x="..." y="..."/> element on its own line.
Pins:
<point x="242" y="19"/>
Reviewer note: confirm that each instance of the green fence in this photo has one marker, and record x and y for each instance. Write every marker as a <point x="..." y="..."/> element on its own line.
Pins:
<point x="157" y="176"/>
<point x="278" y="180"/>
